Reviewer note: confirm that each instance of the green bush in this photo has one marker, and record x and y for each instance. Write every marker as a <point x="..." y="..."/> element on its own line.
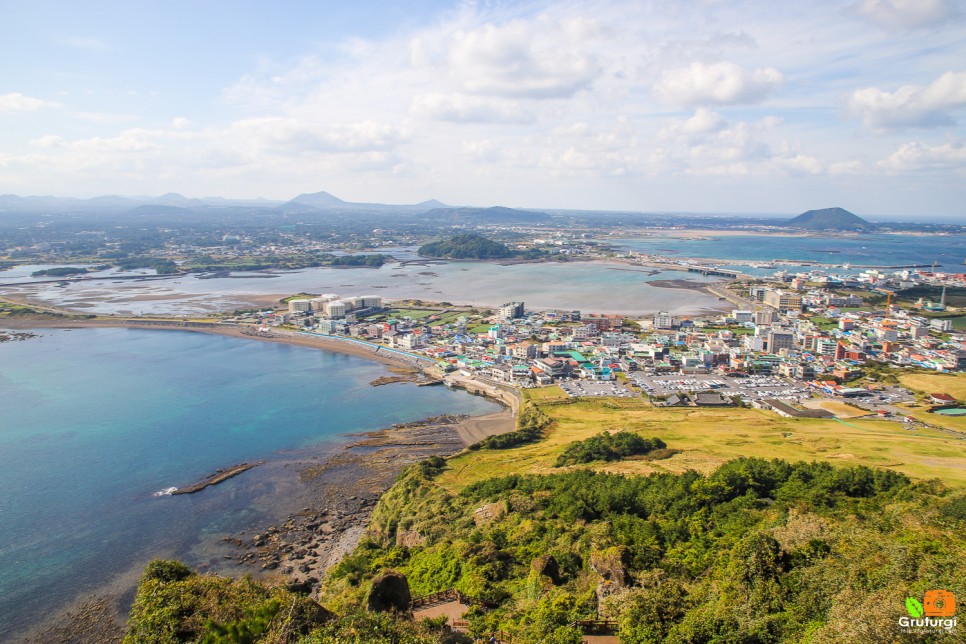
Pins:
<point x="608" y="447"/>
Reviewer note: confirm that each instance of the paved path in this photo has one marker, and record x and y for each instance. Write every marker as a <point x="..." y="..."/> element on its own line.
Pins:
<point x="453" y="611"/>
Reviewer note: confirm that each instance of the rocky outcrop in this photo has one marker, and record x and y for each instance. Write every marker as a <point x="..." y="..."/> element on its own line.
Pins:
<point x="489" y="512"/>
<point x="390" y="593"/>
<point x="547" y="566"/>
<point x="409" y="539"/>
<point x="613" y="566"/>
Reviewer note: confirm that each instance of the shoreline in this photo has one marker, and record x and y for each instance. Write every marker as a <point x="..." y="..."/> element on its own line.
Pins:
<point x="24" y="294"/>
<point x="340" y="488"/>
<point x="279" y="336"/>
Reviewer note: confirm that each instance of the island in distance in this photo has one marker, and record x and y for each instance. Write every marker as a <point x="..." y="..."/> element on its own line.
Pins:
<point x="830" y="219"/>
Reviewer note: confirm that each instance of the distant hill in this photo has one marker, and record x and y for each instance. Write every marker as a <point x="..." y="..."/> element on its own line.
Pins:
<point x="496" y="214"/>
<point x="432" y="203"/>
<point x="318" y="200"/>
<point x="176" y="200"/>
<point x="830" y="219"/>
<point x="465" y="247"/>
<point x="326" y="201"/>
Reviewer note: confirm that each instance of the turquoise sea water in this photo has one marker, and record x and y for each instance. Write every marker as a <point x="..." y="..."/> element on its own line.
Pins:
<point x="948" y="251"/>
<point x="94" y="421"/>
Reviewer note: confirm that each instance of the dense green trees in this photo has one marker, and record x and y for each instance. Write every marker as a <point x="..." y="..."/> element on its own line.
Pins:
<point x="757" y="551"/>
<point x="60" y="271"/>
<point x="373" y="261"/>
<point x="608" y="447"/>
<point x="467" y="246"/>
<point x="173" y="604"/>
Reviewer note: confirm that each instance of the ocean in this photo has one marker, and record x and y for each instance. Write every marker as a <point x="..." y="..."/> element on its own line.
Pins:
<point x="947" y="251"/>
<point x="95" y="421"/>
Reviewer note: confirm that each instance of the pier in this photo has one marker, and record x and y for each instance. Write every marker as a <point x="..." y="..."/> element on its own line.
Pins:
<point x="714" y="271"/>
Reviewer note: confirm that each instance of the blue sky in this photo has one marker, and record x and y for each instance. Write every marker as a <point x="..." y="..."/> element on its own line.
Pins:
<point x="702" y="106"/>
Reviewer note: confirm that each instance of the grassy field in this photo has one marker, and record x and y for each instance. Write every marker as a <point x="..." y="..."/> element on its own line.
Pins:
<point x="953" y="384"/>
<point x="840" y="409"/>
<point x="709" y="437"/>
<point x="545" y="394"/>
<point x="416" y="314"/>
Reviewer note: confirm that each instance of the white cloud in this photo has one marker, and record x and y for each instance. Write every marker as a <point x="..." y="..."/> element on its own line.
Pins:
<point x="704" y="121"/>
<point x="846" y="168"/>
<point x="722" y="83"/>
<point x="917" y="157"/>
<point x="911" y="105"/>
<point x="538" y="59"/>
<point x="48" y="141"/>
<point x="463" y="108"/>
<point x="899" y="15"/>
<point x="17" y="102"/>
<point x="290" y="135"/>
<point x="707" y="144"/>
<point x="482" y="150"/>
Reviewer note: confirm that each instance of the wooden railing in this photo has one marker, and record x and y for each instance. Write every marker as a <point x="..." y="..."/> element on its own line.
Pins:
<point x="439" y="597"/>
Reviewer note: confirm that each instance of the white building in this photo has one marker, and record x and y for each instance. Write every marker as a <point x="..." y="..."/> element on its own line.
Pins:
<point x="663" y="320"/>
<point x="743" y="316"/>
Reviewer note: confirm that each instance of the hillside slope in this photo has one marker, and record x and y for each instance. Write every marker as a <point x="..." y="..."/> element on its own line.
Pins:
<point x="829" y="219"/>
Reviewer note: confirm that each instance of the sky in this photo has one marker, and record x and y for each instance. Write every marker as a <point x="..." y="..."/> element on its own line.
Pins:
<point x="684" y="106"/>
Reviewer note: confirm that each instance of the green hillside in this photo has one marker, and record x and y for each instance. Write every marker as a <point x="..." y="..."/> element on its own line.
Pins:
<point x="753" y="550"/>
<point x="465" y="247"/>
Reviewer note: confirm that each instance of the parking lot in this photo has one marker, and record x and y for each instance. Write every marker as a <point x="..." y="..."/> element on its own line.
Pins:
<point x="749" y="389"/>
<point x="883" y="400"/>
<point x="578" y="388"/>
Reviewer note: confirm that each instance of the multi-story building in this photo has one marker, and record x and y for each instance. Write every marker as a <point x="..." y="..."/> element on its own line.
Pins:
<point x="778" y="340"/>
<point x="743" y="316"/>
<point x="663" y="320"/>
<point x="763" y="318"/>
<point x="783" y="301"/>
<point x="512" y="310"/>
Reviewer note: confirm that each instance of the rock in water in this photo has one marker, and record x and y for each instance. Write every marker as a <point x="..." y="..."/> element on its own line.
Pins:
<point x="390" y="593"/>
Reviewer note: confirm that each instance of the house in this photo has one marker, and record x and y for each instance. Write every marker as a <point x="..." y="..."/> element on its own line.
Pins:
<point x="710" y="399"/>
<point x="941" y="399"/>
<point x="788" y="411"/>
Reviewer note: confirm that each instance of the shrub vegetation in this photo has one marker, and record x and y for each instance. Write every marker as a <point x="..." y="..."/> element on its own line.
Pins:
<point x="608" y="447"/>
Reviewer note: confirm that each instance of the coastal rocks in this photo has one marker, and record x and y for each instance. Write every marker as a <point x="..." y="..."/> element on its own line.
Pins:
<point x="390" y="593"/>
<point x="16" y="336"/>
<point x="341" y="492"/>
<point x="94" y="620"/>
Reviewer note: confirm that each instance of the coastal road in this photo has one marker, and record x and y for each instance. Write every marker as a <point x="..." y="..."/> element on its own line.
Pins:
<point x="734" y="298"/>
<point x="509" y="397"/>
